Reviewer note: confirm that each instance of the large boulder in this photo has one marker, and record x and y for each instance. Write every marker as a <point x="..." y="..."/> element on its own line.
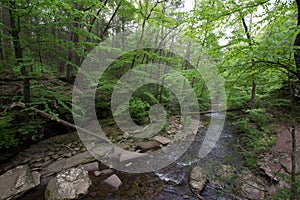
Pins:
<point x="68" y="184"/>
<point x="15" y="182"/>
<point x="198" y="179"/>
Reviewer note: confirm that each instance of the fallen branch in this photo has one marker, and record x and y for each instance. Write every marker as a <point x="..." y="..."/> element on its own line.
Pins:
<point x="217" y="111"/>
<point x="61" y="121"/>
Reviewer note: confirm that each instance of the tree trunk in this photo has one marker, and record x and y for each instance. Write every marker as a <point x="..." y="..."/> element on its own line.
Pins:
<point x="297" y="44"/>
<point x="293" y="157"/>
<point x="253" y="91"/>
<point x="15" y="31"/>
<point x="6" y="43"/>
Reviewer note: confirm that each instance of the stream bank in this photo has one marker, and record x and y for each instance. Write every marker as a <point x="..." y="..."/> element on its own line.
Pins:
<point x="226" y="176"/>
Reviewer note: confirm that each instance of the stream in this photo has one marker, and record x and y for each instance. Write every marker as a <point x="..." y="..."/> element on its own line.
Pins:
<point x="172" y="182"/>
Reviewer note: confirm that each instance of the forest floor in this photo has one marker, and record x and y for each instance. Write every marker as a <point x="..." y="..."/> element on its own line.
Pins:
<point x="278" y="160"/>
<point x="42" y="154"/>
<point x="46" y="152"/>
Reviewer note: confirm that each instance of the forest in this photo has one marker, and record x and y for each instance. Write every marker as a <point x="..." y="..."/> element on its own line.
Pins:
<point x="144" y="70"/>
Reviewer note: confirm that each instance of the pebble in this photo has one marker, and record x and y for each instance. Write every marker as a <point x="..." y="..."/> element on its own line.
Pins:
<point x="91" y="166"/>
<point x="55" y="157"/>
<point x="46" y="158"/>
<point x="97" y="173"/>
<point x="67" y="155"/>
<point x="114" y="182"/>
<point x="50" y="153"/>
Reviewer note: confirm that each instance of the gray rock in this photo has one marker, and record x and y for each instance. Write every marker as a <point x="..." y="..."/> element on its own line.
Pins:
<point x="252" y="188"/>
<point x="76" y="148"/>
<point x="15" y="182"/>
<point x="36" y="176"/>
<point x="67" y="163"/>
<point x="106" y="173"/>
<point x="162" y="140"/>
<point x="55" y="156"/>
<point x="67" y="155"/>
<point x="146" y="146"/>
<point x="69" y="184"/>
<point x="46" y="158"/>
<point x="113" y="181"/>
<point x="97" y="173"/>
<point x="198" y="179"/>
<point x="91" y="167"/>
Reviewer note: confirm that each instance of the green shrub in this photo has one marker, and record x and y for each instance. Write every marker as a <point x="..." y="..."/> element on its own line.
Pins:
<point x="256" y="134"/>
<point x="138" y="110"/>
<point x="7" y="135"/>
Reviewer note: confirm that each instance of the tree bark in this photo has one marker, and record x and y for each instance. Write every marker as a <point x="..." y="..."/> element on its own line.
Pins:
<point x="253" y="91"/>
<point x="15" y="33"/>
<point x="297" y="44"/>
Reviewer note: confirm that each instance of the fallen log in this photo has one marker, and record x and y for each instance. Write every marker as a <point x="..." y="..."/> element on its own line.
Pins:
<point x="218" y="111"/>
<point x="61" y="121"/>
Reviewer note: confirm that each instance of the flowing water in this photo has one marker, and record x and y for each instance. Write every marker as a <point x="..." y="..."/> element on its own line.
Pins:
<point x="172" y="181"/>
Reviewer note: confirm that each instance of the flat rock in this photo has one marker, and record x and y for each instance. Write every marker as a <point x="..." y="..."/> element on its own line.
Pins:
<point x="106" y="173"/>
<point x="66" y="163"/>
<point x="15" y="182"/>
<point x="251" y="187"/>
<point x="68" y="184"/>
<point x="94" y="166"/>
<point x="162" y="140"/>
<point x="198" y="179"/>
<point x="146" y="146"/>
<point x="113" y="181"/>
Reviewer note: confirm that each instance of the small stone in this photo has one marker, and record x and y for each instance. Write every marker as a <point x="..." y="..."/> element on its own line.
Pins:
<point x="46" y="158"/>
<point x="107" y="172"/>
<point x="93" y="194"/>
<point x="91" y="166"/>
<point x="162" y="140"/>
<point x="198" y="179"/>
<point x="37" y="165"/>
<point x="55" y="156"/>
<point x="146" y="146"/>
<point x="50" y="153"/>
<point x="128" y="164"/>
<point x="77" y="149"/>
<point x="36" y="176"/>
<point x="97" y="173"/>
<point x="113" y="181"/>
<point x="67" y="155"/>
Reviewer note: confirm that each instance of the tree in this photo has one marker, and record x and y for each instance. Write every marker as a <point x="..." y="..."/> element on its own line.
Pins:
<point x="14" y="14"/>
<point x="297" y="43"/>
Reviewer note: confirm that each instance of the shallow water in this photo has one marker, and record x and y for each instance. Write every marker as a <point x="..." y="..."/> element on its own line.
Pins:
<point x="173" y="183"/>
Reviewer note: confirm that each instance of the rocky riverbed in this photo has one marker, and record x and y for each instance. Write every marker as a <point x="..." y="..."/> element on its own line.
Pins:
<point x="63" y="160"/>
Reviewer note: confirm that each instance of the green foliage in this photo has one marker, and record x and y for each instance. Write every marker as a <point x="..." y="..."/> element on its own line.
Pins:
<point x="285" y="192"/>
<point x="138" y="110"/>
<point x="49" y="97"/>
<point x="256" y="134"/>
<point x="7" y="135"/>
